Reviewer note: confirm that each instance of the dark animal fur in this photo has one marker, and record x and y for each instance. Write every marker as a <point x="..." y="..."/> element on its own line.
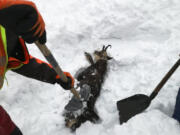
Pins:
<point x="93" y="76"/>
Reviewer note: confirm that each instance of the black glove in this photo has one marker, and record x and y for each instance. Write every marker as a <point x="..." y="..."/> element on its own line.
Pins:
<point x="66" y="85"/>
<point x="23" y="18"/>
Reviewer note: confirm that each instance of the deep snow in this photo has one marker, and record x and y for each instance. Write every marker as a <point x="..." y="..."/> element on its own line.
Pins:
<point x="145" y="38"/>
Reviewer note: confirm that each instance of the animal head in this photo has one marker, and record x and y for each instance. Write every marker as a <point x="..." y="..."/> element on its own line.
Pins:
<point x="102" y="55"/>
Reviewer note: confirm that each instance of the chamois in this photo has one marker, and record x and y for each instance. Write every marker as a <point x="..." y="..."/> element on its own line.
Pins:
<point x="89" y="81"/>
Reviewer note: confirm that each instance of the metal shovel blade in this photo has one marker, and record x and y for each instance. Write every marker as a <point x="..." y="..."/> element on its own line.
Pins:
<point x="131" y="106"/>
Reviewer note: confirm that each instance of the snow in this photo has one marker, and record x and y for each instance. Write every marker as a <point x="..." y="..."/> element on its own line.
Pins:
<point x="145" y="38"/>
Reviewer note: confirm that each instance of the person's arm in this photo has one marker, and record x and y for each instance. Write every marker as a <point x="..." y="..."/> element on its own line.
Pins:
<point x="42" y="71"/>
<point x="23" y="18"/>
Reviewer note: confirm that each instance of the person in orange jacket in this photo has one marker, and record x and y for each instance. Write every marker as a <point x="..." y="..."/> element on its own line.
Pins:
<point x="20" y="22"/>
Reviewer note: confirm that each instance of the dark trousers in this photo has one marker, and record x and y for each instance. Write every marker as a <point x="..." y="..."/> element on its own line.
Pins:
<point x="7" y="126"/>
<point x="176" y="114"/>
<point x="16" y="131"/>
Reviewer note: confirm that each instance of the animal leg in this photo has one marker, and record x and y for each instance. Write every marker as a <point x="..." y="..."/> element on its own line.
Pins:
<point x="89" y="58"/>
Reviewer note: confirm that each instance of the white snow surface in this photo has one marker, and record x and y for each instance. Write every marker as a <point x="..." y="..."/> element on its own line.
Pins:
<point x="145" y="39"/>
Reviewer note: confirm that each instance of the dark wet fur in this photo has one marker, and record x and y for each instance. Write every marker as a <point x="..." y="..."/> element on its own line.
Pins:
<point x="93" y="76"/>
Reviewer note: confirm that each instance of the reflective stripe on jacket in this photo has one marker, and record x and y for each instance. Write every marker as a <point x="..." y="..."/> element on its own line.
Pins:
<point x="3" y="55"/>
<point x="6" y="62"/>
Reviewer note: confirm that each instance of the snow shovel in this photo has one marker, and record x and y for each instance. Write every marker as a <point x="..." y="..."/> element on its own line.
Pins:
<point x="50" y="58"/>
<point x="136" y="104"/>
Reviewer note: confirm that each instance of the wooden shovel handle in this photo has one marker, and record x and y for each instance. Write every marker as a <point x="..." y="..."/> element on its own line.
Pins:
<point x="164" y="80"/>
<point x="50" y="58"/>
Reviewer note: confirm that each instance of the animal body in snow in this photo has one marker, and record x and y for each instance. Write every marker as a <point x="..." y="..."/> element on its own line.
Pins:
<point x="90" y="80"/>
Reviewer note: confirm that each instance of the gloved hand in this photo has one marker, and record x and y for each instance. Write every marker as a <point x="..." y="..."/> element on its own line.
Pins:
<point x="66" y="85"/>
<point x="23" y="18"/>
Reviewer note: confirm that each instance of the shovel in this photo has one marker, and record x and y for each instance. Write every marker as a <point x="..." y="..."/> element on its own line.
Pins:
<point x="136" y="104"/>
<point x="50" y="58"/>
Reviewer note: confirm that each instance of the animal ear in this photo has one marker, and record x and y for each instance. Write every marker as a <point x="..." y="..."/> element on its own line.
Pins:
<point x="109" y="58"/>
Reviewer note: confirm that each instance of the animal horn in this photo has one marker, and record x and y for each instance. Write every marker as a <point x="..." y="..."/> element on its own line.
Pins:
<point x="103" y="49"/>
<point x="107" y="47"/>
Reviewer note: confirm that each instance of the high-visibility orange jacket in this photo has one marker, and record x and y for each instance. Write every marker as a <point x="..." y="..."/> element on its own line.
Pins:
<point x="14" y="55"/>
<point x="6" y="62"/>
<point x="24" y="19"/>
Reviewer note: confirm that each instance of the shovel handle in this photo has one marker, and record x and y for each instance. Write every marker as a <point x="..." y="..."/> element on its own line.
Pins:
<point x="50" y="58"/>
<point x="164" y="80"/>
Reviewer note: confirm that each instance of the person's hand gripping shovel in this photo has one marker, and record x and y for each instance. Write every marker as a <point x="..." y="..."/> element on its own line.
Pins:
<point x="50" y="58"/>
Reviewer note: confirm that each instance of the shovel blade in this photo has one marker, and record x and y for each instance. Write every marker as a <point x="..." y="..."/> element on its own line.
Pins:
<point x="131" y="106"/>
